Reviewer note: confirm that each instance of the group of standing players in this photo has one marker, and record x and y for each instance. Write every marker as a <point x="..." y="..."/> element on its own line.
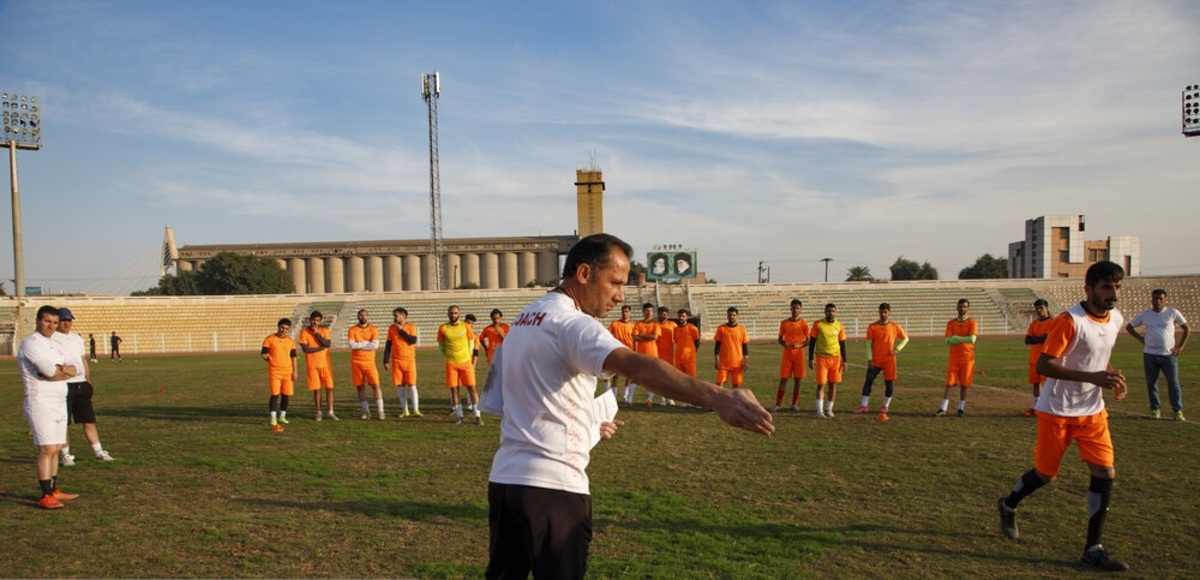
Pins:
<point x="456" y="339"/>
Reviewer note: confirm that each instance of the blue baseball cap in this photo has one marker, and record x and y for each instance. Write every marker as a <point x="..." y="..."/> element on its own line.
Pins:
<point x="65" y="314"/>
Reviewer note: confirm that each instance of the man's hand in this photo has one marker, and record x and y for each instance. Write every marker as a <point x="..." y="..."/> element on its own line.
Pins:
<point x="739" y="408"/>
<point x="608" y="429"/>
<point x="1114" y="380"/>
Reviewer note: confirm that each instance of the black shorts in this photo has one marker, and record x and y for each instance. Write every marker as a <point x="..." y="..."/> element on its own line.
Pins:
<point x="79" y="403"/>
<point x="543" y="531"/>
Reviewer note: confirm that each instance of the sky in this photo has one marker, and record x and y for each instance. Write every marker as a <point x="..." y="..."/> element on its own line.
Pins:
<point x="775" y="132"/>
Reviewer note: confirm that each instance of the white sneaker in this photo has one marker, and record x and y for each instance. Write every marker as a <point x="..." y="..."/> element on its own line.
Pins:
<point x="829" y="413"/>
<point x="66" y="460"/>
<point x="103" y="455"/>
<point x="317" y="417"/>
<point x="365" y="416"/>
<point x="331" y="416"/>
<point x="382" y="417"/>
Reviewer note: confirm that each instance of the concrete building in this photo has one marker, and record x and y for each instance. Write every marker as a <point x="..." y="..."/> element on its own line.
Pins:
<point x="1055" y="247"/>
<point x="589" y="200"/>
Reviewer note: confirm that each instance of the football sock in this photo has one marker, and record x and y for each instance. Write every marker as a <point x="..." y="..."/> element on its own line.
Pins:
<point x="828" y="406"/>
<point x="273" y="416"/>
<point x="890" y="386"/>
<point x="1099" y="494"/>
<point x="283" y="402"/>
<point x="945" y="403"/>
<point x="458" y="411"/>
<point x="416" y="405"/>
<point x="1029" y="483"/>
<point x="47" y="486"/>
<point x="779" y="396"/>
<point x="887" y="401"/>
<point x="366" y="407"/>
<point x="796" y="396"/>
<point x="282" y="414"/>
<point x="379" y="405"/>
<point x="865" y="400"/>
<point x="962" y="404"/>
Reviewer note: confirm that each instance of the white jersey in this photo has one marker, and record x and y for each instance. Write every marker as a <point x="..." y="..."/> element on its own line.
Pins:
<point x="72" y="348"/>
<point x="1088" y="350"/>
<point x="38" y="358"/>
<point x="551" y="359"/>
<point x="1160" y="329"/>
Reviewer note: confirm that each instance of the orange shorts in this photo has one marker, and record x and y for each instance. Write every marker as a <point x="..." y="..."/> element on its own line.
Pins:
<point x="319" y="377"/>
<point x="1055" y="434"/>
<point x="1034" y="377"/>
<point x="829" y="369"/>
<point x="686" y="365"/>
<point x="364" y="374"/>
<point x="960" y="373"/>
<point x="460" y="375"/>
<point x="889" y="367"/>
<point x="404" y="372"/>
<point x="280" y="384"/>
<point x="793" y="364"/>
<point x="734" y="376"/>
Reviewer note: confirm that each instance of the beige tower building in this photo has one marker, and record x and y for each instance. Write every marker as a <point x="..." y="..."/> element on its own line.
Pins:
<point x="589" y="198"/>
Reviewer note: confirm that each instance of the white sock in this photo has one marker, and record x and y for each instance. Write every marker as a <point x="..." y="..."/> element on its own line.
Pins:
<point x="458" y="410"/>
<point x="945" y="404"/>
<point x="820" y="406"/>
<point x="962" y="404"/>
<point x="379" y="405"/>
<point x="887" y="401"/>
<point x="828" y="407"/>
<point x="282" y="414"/>
<point x="274" y="415"/>
<point x="866" y="400"/>
<point x="97" y="448"/>
<point x="66" y="451"/>
<point x="366" y="407"/>
<point x="415" y="399"/>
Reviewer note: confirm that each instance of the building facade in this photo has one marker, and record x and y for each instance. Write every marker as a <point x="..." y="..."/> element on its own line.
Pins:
<point x="1055" y="246"/>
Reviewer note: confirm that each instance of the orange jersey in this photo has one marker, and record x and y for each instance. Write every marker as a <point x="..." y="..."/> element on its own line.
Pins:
<point x="623" y="331"/>
<point x="964" y="350"/>
<point x="1038" y="328"/>
<point x="492" y="337"/>
<point x="883" y="339"/>
<point x="793" y="331"/>
<point x="401" y="350"/>
<point x="647" y="347"/>
<point x="731" y="339"/>
<point x="316" y="360"/>
<point x="666" y="341"/>
<point x="366" y="333"/>
<point x="281" y="354"/>
<point x="686" y="337"/>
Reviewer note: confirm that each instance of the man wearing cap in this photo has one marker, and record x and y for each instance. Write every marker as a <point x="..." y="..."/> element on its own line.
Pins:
<point x="45" y="372"/>
<point x="79" y="389"/>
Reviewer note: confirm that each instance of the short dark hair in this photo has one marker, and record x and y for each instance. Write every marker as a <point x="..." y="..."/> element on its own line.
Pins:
<point x="1158" y="292"/>
<point x="1103" y="271"/>
<point x="48" y="309"/>
<point x="283" y="321"/>
<point x="469" y="318"/>
<point x="830" y="305"/>
<point x="664" y="309"/>
<point x="885" y="306"/>
<point x="647" y="305"/>
<point x="1041" y="302"/>
<point x="684" y="311"/>
<point x="625" y="307"/>
<point x="963" y="301"/>
<point x="594" y="250"/>
<point x="400" y="310"/>
<point x="494" y="312"/>
<point x="316" y="314"/>
<point x="796" y="302"/>
<point x="732" y="309"/>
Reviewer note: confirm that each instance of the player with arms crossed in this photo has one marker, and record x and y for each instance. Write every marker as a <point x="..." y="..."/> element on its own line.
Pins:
<point x="400" y="358"/>
<point x="315" y="342"/>
<point x="364" y="341"/>
<point x="279" y="350"/>
<point x="1075" y="361"/>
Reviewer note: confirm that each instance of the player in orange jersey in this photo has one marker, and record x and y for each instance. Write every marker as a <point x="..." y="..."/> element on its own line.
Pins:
<point x="315" y="342"/>
<point x="731" y="354"/>
<point x="279" y="350"/>
<point x="493" y="334"/>
<point x="960" y="335"/>
<point x="793" y="337"/>
<point x="645" y="341"/>
<point x="364" y="341"/>
<point x="687" y="343"/>
<point x="400" y="358"/>
<point x="885" y="340"/>
<point x="1035" y="337"/>
<point x="829" y="351"/>
<point x="666" y="346"/>
<point x="622" y="330"/>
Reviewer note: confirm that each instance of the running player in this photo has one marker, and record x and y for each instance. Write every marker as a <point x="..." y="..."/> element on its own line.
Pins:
<point x="885" y="340"/>
<point x="793" y="337"/>
<point x="400" y="358"/>
<point x="829" y="350"/>
<point x="960" y="368"/>
<point x="1035" y="337"/>
<point x="364" y="341"/>
<point x="731" y="353"/>
<point x="1076" y="362"/>
<point x="315" y="342"/>
<point x="279" y="350"/>
<point x="456" y="341"/>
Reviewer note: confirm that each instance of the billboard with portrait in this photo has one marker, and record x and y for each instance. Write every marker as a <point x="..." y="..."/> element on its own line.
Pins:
<point x="670" y="264"/>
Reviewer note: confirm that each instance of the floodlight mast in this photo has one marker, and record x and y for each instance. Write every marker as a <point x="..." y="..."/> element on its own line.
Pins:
<point x="22" y="122"/>
<point x="431" y="87"/>
<point x="1190" y="105"/>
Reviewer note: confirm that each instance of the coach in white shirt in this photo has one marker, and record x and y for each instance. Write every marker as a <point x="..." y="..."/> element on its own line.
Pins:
<point x="539" y="508"/>
<point x="45" y="372"/>
<point x="1161" y="353"/>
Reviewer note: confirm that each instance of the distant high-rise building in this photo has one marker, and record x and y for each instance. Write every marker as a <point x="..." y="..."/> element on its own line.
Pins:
<point x="589" y="199"/>
<point x="1055" y="247"/>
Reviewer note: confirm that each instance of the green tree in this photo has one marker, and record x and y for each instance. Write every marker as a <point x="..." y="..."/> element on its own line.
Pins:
<point x="636" y="269"/>
<point x="227" y="273"/>
<point x="859" y="274"/>
<point x="185" y="284"/>
<point x="904" y="269"/>
<point x="985" y="266"/>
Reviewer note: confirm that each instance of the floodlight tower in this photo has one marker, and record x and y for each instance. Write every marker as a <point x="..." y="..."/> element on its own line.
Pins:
<point x="431" y="87"/>
<point x="1190" y="102"/>
<point x="22" y="119"/>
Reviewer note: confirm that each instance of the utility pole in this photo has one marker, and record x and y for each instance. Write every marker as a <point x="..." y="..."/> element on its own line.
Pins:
<point x="431" y="87"/>
<point x="22" y="121"/>
<point x="827" y="261"/>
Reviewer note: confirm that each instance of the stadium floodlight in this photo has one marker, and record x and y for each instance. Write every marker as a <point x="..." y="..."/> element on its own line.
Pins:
<point x="1190" y="103"/>
<point x="22" y="122"/>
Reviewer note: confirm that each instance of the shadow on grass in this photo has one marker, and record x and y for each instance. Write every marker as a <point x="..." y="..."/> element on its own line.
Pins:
<point x="178" y="413"/>
<point x="409" y="510"/>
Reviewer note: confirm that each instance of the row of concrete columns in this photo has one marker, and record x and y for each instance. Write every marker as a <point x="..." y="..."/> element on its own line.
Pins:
<point x="412" y="272"/>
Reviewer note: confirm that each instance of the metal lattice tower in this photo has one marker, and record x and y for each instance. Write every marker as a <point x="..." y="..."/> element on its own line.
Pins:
<point x="431" y="87"/>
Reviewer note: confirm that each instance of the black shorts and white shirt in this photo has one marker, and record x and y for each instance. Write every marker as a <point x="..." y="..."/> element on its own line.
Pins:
<point x="79" y="390"/>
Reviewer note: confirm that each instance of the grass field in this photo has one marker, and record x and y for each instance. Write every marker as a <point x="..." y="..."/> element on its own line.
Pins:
<point x="203" y="488"/>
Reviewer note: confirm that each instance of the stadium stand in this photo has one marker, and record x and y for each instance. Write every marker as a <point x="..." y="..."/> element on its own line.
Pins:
<point x="239" y="323"/>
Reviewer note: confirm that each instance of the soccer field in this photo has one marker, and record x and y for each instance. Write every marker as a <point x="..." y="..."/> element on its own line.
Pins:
<point x="203" y="488"/>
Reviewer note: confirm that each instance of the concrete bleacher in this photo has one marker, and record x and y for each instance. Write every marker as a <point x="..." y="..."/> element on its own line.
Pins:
<point x="239" y="323"/>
